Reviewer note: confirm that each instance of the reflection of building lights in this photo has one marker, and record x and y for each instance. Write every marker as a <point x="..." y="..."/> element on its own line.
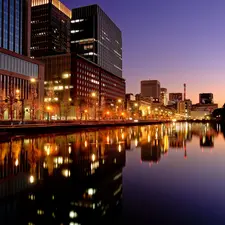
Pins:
<point x="60" y="160"/>
<point x="66" y="173"/>
<point x="149" y="138"/>
<point x="91" y="191"/>
<point x="93" y="157"/>
<point x="73" y="214"/>
<point x="44" y="165"/>
<point x="69" y="149"/>
<point x="122" y="136"/>
<point x="107" y="139"/>
<point x="40" y="212"/>
<point x="136" y="142"/>
<point x="119" y="148"/>
<point x="85" y="144"/>
<point x="16" y="162"/>
<point x="72" y="223"/>
<point x="31" y="179"/>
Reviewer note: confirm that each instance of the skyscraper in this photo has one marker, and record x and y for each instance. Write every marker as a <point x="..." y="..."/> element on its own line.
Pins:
<point x="50" y="28"/>
<point x="15" y="25"/>
<point x="96" y="37"/>
<point x="150" y="88"/>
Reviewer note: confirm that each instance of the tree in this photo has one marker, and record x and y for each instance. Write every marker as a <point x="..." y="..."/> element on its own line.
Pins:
<point x="3" y="107"/>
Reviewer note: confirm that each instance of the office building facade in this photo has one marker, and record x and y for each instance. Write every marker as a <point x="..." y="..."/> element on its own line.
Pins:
<point x="96" y="37"/>
<point x="77" y="78"/>
<point x="50" y="28"/>
<point x="16" y="72"/>
<point x="150" y="88"/>
<point x="15" y="26"/>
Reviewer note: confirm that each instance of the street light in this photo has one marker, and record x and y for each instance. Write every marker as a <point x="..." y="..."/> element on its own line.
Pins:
<point x="94" y="95"/>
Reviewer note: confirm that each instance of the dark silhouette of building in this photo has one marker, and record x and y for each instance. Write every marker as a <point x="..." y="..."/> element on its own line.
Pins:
<point x="175" y="97"/>
<point x="15" y="26"/>
<point x="206" y="98"/>
<point x="96" y="37"/>
<point x="50" y="28"/>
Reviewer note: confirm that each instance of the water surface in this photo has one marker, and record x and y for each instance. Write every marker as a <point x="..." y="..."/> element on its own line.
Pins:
<point x="153" y="175"/>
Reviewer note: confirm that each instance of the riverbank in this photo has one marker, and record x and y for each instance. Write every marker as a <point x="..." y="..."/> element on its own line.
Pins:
<point x="59" y="126"/>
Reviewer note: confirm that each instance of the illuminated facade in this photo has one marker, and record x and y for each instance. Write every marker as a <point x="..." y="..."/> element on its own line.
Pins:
<point x="15" y="26"/>
<point x="50" y="28"/>
<point x="163" y="96"/>
<point x="83" y="78"/>
<point x="16" y="72"/>
<point x="95" y="36"/>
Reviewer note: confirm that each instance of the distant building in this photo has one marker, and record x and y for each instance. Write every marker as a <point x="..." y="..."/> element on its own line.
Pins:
<point x="96" y="37"/>
<point x="175" y="97"/>
<point x="206" y="98"/>
<point x="184" y="107"/>
<point x="150" y="88"/>
<point x="15" y="26"/>
<point x="50" y="28"/>
<point x="205" y="107"/>
<point x="163" y="96"/>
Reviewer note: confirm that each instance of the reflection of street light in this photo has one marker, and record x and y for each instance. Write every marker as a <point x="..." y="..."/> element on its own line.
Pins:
<point x="16" y="162"/>
<point x="93" y="157"/>
<point x="17" y="91"/>
<point x="119" y="100"/>
<point x="31" y="179"/>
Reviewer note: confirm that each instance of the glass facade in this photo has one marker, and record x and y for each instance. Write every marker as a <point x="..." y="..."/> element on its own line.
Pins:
<point x="95" y="36"/>
<point x="11" y="25"/>
<point x="17" y="65"/>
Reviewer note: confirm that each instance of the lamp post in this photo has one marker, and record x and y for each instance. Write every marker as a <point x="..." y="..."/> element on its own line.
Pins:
<point x="94" y="95"/>
<point x="33" y="97"/>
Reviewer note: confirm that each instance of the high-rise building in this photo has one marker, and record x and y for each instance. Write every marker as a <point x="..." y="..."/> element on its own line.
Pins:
<point x="50" y="28"/>
<point x="96" y="37"/>
<point x="163" y="96"/>
<point x="206" y="98"/>
<point x="80" y="78"/>
<point x="150" y="88"/>
<point x="15" y="26"/>
<point x="175" y="97"/>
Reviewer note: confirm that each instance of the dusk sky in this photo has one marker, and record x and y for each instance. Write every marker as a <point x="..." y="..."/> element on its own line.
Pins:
<point x="173" y="41"/>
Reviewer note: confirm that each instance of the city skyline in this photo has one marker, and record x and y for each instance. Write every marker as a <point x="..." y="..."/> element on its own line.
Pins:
<point x="176" y="41"/>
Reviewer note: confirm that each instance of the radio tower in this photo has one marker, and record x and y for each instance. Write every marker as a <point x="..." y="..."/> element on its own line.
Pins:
<point x="184" y="92"/>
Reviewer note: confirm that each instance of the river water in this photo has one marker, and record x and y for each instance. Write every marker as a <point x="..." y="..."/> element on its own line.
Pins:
<point x="152" y="175"/>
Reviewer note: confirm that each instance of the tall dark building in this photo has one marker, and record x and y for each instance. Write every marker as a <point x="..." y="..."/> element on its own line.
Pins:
<point x="206" y="98"/>
<point x="50" y="28"/>
<point x="15" y="26"/>
<point x="95" y="36"/>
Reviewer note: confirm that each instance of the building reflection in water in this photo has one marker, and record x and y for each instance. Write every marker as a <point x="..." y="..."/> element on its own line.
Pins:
<point x="77" y="178"/>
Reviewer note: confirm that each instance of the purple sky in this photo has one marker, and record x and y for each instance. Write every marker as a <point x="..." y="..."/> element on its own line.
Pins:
<point x="173" y="41"/>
